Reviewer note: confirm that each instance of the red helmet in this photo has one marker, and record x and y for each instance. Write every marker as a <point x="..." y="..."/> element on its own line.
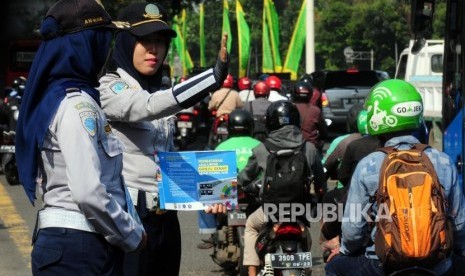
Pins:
<point x="183" y="79"/>
<point x="260" y="89"/>
<point x="244" y="83"/>
<point x="273" y="82"/>
<point x="228" y="82"/>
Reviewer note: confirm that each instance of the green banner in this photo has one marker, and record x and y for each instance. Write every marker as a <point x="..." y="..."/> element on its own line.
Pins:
<point x="189" y="64"/>
<point x="243" y="34"/>
<point x="181" y="48"/>
<point x="272" y="20"/>
<point x="226" y="25"/>
<point x="294" y="53"/>
<point x="267" y="56"/>
<point x="202" y="35"/>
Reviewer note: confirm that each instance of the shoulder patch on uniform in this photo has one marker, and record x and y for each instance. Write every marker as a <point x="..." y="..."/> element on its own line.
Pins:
<point x="119" y="87"/>
<point x="89" y="121"/>
<point x="82" y="105"/>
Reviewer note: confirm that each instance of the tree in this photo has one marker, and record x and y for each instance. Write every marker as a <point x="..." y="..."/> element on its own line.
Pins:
<point x="331" y="33"/>
<point x="378" y="26"/>
<point x="361" y="24"/>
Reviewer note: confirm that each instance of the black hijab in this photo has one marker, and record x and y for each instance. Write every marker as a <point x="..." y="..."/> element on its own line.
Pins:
<point x="122" y="57"/>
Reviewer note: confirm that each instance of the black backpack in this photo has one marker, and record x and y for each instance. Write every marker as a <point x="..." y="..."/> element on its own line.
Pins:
<point x="259" y="127"/>
<point x="287" y="176"/>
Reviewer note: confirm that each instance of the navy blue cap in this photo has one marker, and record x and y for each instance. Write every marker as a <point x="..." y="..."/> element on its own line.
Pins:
<point x="146" y="18"/>
<point x="77" y="15"/>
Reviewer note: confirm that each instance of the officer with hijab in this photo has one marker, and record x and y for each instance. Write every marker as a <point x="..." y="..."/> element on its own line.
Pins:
<point x="66" y="149"/>
<point x="141" y="115"/>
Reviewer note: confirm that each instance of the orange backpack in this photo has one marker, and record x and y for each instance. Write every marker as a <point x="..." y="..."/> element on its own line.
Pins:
<point x="414" y="229"/>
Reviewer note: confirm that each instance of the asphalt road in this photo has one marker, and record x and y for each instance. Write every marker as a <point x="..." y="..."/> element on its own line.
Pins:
<point x="17" y="218"/>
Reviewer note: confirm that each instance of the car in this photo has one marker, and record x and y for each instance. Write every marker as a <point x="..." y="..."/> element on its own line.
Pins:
<point x="341" y="89"/>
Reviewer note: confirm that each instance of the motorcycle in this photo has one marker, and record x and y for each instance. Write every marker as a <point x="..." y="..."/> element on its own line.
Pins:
<point x="219" y="131"/>
<point x="284" y="249"/>
<point x="10" y="109"/>
<point x="186" y="127"/>
<point x="228" y="241"/>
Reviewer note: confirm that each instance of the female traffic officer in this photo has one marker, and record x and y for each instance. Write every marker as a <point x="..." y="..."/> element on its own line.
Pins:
<point x="139" y="112"/>
<point x="66" y="146"/>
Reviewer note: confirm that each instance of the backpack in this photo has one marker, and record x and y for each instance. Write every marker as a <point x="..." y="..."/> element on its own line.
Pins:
<point x="413" y="229"/>
<point x="287" y="176"/>
<point x="259" y="126"/>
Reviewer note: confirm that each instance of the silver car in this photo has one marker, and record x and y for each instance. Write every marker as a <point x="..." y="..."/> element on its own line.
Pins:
<point x="340" y="90"/>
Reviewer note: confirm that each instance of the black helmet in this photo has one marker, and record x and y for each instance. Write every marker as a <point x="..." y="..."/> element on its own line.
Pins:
<point x="240" y="123"/>
<point x="281" y="113"/>
<point x="307" y="78"/>
<point x="352" y="115"/>
<point x="303" y="92"/>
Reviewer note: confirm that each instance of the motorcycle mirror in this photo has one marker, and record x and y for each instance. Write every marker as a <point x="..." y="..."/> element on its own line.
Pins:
<point x="418" y="45"/>
<point x="422" y="12"/>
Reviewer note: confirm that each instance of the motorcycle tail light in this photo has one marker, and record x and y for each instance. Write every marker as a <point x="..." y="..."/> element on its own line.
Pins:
<point x="224" y="117"/>
<point x="184" y="117"/>
<point x="214" y="113"/>
<point x="324" y="100"/>
<point x="195" y="112"/>
<point x="289" y="229"/>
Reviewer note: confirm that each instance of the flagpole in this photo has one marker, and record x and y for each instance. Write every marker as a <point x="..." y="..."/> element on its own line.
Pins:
<point x="310" y="39"/>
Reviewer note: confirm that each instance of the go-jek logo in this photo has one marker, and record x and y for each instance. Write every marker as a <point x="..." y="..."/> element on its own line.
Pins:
<point x="407" y="109"/>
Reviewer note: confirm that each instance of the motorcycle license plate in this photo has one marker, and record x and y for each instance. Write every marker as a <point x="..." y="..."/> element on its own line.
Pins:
<point x="222" y="130"/>
<point x="293" y="260"/>
<point x="7" y="149"/>
<point x="184" y="124"/>
<point x="236" y="218"/>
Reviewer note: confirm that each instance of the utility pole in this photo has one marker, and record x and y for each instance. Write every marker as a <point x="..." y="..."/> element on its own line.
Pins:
<point x="310" y="38"/>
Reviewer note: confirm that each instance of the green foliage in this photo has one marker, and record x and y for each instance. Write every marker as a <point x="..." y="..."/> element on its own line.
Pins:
<point x="378" y="25"/>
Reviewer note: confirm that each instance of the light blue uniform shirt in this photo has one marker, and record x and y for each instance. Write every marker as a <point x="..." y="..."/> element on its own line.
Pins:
<point x="81" y="172"/>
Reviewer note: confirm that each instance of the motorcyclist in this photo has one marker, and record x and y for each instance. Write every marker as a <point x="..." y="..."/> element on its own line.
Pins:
<point x="245" y="89"/>
<point x="282" y="122"/>
<point x="364" y="183"/>
<point x="317" y="81"/>
<point x="275" y="85"/>
<point x="258" y="108"/>
<point x="222" y="101"/>
<point x="226" y="99"/>
<point x="313" y="125"/>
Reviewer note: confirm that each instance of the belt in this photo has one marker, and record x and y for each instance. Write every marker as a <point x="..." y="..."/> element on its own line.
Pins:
<point x="52" y="217"/>
<point x="158" y="211"/>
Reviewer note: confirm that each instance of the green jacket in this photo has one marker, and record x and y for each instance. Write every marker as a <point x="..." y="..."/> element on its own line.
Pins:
<point x="243" y="146"/>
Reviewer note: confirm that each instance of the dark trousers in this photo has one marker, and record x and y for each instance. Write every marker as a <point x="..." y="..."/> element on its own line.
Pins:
<point x="162" y="256"/>
<point x="353" y="265"/>
<point x="63" y="251"/>
<point x="362" y="266"/>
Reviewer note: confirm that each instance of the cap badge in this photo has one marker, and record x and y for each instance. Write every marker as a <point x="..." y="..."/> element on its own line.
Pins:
<point x="152" y="12"/>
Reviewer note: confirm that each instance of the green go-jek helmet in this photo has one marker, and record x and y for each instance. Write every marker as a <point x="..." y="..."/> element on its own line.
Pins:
<point x="362" y="122"/>
<point x="393" y="105"/>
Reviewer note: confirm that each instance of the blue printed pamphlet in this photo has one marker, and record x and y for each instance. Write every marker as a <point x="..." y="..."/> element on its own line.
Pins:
<point x="193" y="180"/>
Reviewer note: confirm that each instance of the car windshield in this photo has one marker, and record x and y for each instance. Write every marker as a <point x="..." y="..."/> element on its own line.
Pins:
<point x="347" y="79"/>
